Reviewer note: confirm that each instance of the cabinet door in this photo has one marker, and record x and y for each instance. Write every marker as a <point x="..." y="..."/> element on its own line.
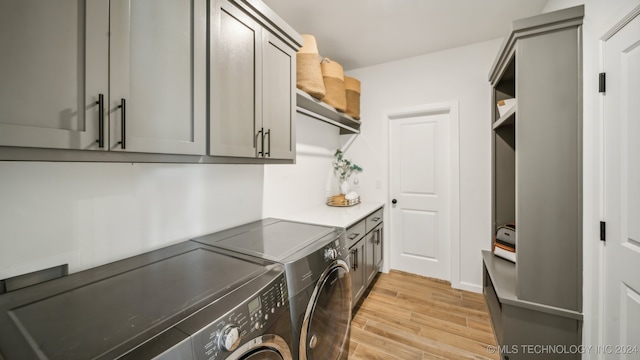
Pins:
<point x="279" y="68"/>
<point x="53" y="66"/>
<point x="357" y="271"/>
<point x="158" y="66"/>
<point x="369" y="262"/>
<point x="235" y="83"/>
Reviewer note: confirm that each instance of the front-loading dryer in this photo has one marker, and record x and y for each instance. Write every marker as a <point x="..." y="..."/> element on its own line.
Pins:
<point x="316" y="262"/>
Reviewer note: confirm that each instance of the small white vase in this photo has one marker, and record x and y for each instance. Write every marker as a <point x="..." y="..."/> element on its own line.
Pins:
<point x="344" y="187"/>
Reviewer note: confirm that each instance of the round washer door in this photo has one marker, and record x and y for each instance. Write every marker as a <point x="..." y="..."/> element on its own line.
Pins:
<point x="263" y="354"/>
<point x="326" y="326"/>
<point x="265" y="347"/>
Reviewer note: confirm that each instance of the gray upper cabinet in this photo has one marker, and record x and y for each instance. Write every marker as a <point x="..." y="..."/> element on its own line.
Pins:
<point x="158" y="66"/>
<point x="252" y="83"/>
<point x="53" y="67"/>
<point x="61" y="57"/>
<point x="279" y="97"/>
<point x="235" y="69"/>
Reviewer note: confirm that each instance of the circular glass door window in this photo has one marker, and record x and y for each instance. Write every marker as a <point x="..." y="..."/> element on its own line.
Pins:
<point x="262" y="354"/>
<point x="330" y="316"/>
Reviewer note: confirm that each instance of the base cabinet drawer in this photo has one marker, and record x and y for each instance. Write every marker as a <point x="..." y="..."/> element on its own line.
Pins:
<point x="373" y="220"/>
<point x="355" y="233"/>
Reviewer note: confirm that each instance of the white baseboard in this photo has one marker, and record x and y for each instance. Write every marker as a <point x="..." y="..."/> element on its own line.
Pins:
<point x="467" y="287"/>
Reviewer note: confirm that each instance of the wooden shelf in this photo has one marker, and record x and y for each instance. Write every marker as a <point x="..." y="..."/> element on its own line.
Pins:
<point x="503" y="278"/>
<point x="318" y="110"/>
<point x="507" y="119"/>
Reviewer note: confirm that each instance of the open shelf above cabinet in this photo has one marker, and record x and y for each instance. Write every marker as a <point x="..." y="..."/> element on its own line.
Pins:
<point x="509" y="118"/>
<point x="316" y="109"/>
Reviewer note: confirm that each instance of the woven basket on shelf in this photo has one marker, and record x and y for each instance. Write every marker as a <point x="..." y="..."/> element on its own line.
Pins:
<point x="333" y="76"/>
<point x="308" y="71"/>
<point x="352" y="89"/>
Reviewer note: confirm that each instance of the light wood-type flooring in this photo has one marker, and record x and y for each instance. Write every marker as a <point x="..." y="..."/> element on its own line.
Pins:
<point x="406" y="316"/>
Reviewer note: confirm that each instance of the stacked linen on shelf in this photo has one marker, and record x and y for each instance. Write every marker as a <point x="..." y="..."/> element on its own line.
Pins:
<point x="504" y="242"/>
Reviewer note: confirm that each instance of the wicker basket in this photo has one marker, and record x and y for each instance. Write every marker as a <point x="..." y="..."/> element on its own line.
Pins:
<point x="308" y="71"/>
<point x="333" y="76"/>
<point x="352" y="90"/>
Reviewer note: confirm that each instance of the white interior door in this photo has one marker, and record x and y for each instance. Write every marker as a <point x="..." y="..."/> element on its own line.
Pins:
<point x="622" y="191"/>
<point x="419" y="182"/>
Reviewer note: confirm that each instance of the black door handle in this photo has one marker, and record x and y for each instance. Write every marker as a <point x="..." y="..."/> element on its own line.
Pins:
<point x="268" y="134"/>
<point x="123" y="123"/>
<point x="100" y="104"/>
<point x="261" y="135"/>
<point x="394" y="201"/>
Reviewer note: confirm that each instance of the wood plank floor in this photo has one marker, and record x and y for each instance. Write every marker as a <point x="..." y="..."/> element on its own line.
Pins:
<point x="407" y="316"/>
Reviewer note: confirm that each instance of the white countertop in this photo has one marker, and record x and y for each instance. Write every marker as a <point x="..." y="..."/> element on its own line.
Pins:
<point x="334" y="216"/>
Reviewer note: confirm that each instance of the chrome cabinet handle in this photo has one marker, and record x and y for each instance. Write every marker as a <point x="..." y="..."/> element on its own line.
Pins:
<point x="100" y="104"/>
<point x="123" y="123"/>
<point x="353" y="236"/>
<point x="376" y="219"/>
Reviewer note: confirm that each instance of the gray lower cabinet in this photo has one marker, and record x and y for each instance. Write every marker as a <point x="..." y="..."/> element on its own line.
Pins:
<point x="365" y="246"/>
<point x="537" y="184"/>
<point x="103" y="75"/>
<point x="252" y="83"/>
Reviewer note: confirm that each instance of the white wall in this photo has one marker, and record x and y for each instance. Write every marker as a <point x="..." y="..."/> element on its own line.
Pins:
<point x="87" y="214"/>
<point x="291" y="188"/>
<point x="459" y="74"/>
<point x="600" y="17"/>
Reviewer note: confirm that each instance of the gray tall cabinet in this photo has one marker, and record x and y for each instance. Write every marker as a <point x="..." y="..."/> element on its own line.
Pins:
<point x="537" y="184"/>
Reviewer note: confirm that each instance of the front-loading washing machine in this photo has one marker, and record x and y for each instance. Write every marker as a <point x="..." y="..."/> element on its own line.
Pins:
<point x="186" y="301"/>
<point x="316" y="262"/>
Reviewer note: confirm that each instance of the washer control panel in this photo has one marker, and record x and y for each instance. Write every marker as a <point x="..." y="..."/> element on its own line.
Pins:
<point x="335" y="250"/>
<point x="243" y="323"/>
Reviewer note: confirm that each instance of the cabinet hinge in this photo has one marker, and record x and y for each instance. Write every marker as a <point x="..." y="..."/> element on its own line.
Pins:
<point x="602" y="82"/>
<point x="603" y="231"/>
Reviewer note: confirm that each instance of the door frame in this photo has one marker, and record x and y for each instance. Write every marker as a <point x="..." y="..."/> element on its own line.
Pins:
<point x="450" y="108"/>
<point x="594" y="315"/>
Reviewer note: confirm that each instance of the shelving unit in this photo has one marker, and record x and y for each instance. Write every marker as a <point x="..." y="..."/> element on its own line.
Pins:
<point x="537" y="184"/>
<point x="509" y="118"/>
<point x="308" y="105"/>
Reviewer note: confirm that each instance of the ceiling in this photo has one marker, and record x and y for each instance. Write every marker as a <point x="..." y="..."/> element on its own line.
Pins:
<point x="359" y="33"/>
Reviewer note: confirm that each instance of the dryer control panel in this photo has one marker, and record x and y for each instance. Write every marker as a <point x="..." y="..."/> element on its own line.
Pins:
<point x="244" y="322"/>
